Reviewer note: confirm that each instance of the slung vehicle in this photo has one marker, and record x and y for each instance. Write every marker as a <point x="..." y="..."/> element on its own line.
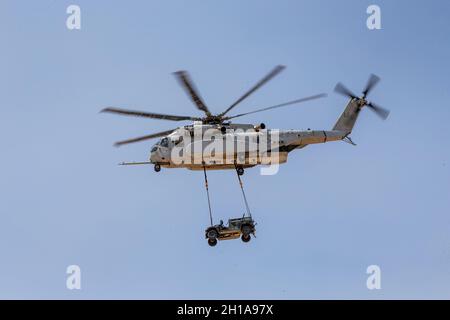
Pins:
<point x="238" y="227"/>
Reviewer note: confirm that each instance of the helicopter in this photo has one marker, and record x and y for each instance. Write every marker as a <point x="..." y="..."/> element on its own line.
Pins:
<point x="237" y="145"/>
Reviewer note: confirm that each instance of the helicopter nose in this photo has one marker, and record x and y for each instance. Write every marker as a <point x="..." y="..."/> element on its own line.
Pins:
<point x="153" y="157"/>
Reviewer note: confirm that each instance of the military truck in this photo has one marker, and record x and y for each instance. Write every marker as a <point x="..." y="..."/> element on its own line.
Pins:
<point x="237" y="227"/>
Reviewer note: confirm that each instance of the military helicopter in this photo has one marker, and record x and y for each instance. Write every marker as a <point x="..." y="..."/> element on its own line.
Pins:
<point x="247" y="140"/>
<point x="239" y="146"/>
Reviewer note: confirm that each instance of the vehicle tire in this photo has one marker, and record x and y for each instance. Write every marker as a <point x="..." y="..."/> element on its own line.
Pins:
<point x="246" y="230"/>
<point x="212" y="234"/>
<point x="212" y="242"/>
<point x="246" y="238"/>
<point x="157" y="167"/>
<point x="240" y="171"/>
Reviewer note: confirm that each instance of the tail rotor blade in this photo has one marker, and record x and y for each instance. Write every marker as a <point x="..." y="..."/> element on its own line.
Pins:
<point x="371" y="83"/>
<point x="379" y="111"/>
<point x="341" y="89"/>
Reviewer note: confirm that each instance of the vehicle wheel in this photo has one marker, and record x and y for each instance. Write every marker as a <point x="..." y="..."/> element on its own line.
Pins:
<point x="212" y="234"/>
<point x="246" y="237"/>
<point x="212" y="242"/>
<point x="240" y="171"/>
<point x="157" y="167"/>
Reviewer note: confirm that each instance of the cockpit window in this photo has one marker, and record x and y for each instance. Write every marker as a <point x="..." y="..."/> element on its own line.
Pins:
<point x="154" y="149"/>
<point x="165" y="142"/>
<point x="177" y="141"/>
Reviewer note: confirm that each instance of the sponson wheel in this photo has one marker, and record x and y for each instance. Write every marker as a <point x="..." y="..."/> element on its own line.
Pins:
<point x="246" y="237"/>
<point x="157" y="168"/>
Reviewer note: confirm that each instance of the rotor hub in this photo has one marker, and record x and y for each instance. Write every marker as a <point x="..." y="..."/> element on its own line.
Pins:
<point x="213" y="119"/>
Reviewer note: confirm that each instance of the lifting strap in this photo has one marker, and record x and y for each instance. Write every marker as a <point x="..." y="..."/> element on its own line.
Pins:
<point x="243" y="193"/>
<point x="207" y="193"/>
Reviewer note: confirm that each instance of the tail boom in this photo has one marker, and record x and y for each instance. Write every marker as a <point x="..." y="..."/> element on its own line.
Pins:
<point x="348" y="118"/>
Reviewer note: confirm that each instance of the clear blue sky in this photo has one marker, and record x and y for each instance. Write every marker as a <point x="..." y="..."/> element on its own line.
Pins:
<point x="330" y="212"/>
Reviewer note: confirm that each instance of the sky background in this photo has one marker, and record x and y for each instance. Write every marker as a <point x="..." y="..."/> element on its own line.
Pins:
<point x="329" y="213"/>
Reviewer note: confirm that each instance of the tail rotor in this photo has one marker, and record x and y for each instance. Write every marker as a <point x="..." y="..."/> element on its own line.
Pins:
<point x="362" y="101"/>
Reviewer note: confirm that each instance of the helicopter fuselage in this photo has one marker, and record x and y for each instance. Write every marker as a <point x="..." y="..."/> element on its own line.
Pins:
<point x="229" y="146"/>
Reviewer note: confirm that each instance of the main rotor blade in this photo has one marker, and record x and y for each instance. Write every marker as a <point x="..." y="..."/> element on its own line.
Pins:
<point x="148" y="114"/>
<point x="150" y="136"/>
<point x="371" y="83"/>
<point x="317" y="96"/>
<point x="379" y="111"/>
<point x="188" y="85"/>
<point x="340" y="88"/>
<point x="269" y="76"/>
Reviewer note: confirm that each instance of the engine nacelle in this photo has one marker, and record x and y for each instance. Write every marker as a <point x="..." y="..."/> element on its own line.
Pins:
<point x="261" y="126"/>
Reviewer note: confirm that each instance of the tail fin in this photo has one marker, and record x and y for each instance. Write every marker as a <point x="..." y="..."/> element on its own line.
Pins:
<point x="348" y="118"/>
